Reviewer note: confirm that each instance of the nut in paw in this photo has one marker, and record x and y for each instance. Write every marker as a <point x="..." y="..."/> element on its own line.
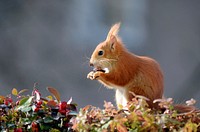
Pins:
<point x="93" y="75"/>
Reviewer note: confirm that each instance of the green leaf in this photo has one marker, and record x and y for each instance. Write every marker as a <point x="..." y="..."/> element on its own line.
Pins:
<point x="54" y="92"/>
<point x="48" y="119"/>
<point x="26" y="108"/>
<point x="23" y="100"/>
<point x="14" y="91"/>
<point x="11" y="125"/>
<point x="24" y="104"/>
<point x="26" y="121"/>
<point x="54" y="130"/>
<point x="44" y="127"/>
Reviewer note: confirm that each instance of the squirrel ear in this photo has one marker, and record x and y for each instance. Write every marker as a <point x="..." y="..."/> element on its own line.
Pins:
<point x="112" y="42"/>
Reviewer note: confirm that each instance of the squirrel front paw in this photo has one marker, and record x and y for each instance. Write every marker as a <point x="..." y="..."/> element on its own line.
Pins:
<point x="93" y="75"/>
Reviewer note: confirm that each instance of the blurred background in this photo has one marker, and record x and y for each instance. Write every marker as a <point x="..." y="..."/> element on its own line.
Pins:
<point x="49" y="42"/>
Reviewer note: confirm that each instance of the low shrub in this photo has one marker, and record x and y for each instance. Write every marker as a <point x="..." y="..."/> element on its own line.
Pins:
<point x="34" y="113"/>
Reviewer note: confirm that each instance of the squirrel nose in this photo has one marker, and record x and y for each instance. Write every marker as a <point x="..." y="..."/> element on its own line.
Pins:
<point x="91" y="64"/>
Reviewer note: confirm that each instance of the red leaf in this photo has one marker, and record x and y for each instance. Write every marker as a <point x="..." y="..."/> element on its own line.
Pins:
<point x="54" y="92"/>
<point x="52" y="103"/>
<point x="87" y="107"/>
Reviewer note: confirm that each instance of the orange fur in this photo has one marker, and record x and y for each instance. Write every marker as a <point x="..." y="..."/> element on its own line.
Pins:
<point x="127" y="72"/>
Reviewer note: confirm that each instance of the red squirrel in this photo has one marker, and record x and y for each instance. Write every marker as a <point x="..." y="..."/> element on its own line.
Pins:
<point x="119" y="69"/>
<point x="127" y="73"/>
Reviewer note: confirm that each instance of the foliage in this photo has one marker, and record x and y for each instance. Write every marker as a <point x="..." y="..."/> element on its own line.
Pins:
<point x="34" y="113"/>
<point x="137" y="117"/>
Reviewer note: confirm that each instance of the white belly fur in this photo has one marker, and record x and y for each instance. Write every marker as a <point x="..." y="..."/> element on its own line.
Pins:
<point x="120" y="97"/>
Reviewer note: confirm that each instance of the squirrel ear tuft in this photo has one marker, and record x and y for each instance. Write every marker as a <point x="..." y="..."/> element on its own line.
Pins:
<point x="113" y="31"/>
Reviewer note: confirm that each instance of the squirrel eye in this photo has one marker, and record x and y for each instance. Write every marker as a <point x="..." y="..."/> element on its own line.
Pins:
<point x="100" y="53"/>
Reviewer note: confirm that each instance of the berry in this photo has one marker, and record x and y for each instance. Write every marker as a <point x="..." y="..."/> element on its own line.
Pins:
<point x="9" y="100"/>
<point x="36" y="109"/>
<point x="63" y="105"/>
<point x="34" y="127"/>
<point x="18" y="130"/>
<point x="6" y="102"/>
<point x="39" y="102"/>
<point x="62" y="111"/>
<point x="38" y="106"/>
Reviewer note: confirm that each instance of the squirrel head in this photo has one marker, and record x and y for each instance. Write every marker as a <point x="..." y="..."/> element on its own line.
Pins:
<point x="107" y="52"/>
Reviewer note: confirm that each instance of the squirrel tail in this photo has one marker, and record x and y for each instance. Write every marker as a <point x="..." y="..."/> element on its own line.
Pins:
<point x="180" y="108"/>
